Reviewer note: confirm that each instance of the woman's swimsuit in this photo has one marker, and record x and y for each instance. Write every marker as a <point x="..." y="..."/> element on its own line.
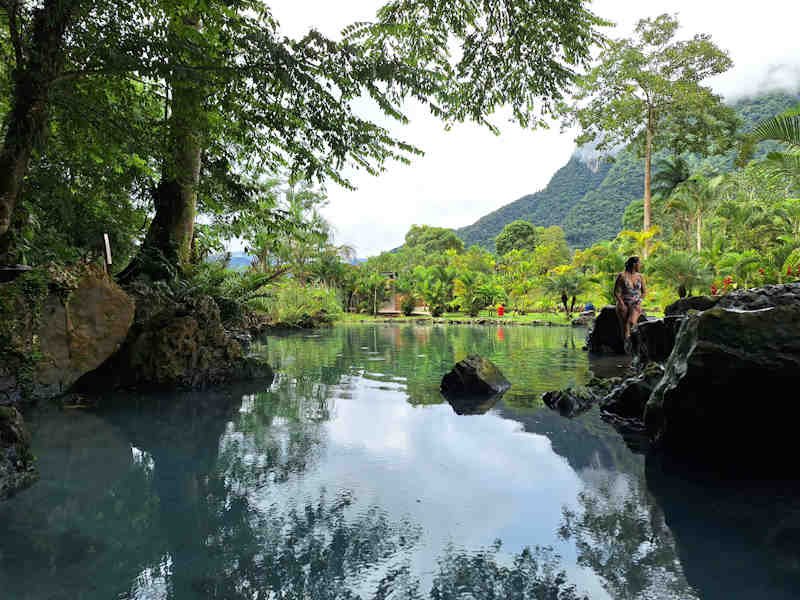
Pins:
<point x="631" y="294"/>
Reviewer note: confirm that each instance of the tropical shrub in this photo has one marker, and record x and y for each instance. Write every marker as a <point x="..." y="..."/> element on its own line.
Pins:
<point x="408" y="304"/>
<point x="294" y="305"/>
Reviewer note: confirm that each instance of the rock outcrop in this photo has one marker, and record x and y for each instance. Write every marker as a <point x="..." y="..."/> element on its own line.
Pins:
<point x="731" y="377"/>
<point x="605" y="337"/>
<point x="684" y="305"/>
<point x="55" y="326"/>
<point x="716" y="378"/>
<point x="58" y="326"/>
<point x="16" y="461"/>
<point x="630" y="396"/>
<point x="653" y="341"/>
<point x="177" y="342"/>
<point x="474" y="378"/>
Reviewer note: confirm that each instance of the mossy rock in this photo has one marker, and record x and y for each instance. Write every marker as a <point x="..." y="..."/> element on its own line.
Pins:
<point x="56" y="325"/>
<point x="16" y="461"/>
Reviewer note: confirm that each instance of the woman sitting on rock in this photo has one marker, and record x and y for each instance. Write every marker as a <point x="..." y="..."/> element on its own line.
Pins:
<point x="629" y="289"/>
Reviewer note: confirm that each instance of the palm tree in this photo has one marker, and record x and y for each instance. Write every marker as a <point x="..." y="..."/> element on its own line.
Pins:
<point x="638" y="242"/>
<point x="784" y="128"/>
<point x="787" y="218"/>
<point x="474" y="292"/>
<point x="565" y="282"/>
<point x="742" y="265"/>
<point x="695" y="197"/>
<point x="685" y="270"/>
<point x="670" y="174"/>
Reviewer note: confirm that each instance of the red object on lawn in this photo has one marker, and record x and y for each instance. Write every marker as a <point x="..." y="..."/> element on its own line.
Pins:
<point x="501" y="310"/>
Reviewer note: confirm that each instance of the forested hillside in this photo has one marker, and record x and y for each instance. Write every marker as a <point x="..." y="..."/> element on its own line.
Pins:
<point x="589" y="202"/>
<point x="549" y="206"/>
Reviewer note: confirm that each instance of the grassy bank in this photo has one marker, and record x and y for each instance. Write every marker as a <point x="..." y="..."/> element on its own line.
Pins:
<point x="485" y="317"/>
<point x="463" y="318"/>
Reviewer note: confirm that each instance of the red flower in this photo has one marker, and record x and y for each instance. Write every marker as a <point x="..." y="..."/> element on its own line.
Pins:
<point x="789" y="270"/>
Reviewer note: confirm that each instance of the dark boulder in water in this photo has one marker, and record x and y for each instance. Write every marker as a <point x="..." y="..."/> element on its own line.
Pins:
<point x="653" y="341"/>
<point x="730" y="383"/>
<point x="605" y="336"/>
<point x="575" y="400"/>
<point x="629" y="398"/>
<point x="472" y="383"/>
<point x="684" y="305"/>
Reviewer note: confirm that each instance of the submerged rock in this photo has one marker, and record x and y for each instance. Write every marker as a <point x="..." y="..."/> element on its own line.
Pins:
<point x="474" y="377"/>
<point x="472" y="405"/>
<point x="16" y="461"/>
<point x="574" y="400"/>
<point x="730" y="383"/>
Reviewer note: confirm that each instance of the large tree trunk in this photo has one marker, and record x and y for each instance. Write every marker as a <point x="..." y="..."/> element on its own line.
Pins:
<point x="26" y="123"/>
<point x="175" y="198"/>
<point x="648" y="159"/>
<point x="167" y="248"/>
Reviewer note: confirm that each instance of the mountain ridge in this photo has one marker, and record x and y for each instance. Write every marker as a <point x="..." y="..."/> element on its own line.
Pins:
<point x="588" y="198"/>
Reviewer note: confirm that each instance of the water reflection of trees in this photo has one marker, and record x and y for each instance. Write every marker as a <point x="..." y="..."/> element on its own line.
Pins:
<point x="182" y="515"/>
<point x="534" y="359"/>
<point x="530" y="574"/>
<point x="620" y="534"/>
<point x="89" y="523"/>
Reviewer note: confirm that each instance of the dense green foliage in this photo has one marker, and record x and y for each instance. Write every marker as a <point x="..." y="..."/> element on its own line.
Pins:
<point x="187" y="124"/>
<point x="185" y="107"/>
<point x="517" y="235"/>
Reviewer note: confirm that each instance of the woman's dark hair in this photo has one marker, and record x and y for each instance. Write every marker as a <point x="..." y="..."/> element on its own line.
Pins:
<point x="629" y="264"/>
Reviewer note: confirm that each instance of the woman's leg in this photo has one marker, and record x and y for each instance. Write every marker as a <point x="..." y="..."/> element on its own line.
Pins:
<point x="622" y="314"/>
<point x="634" y="312"/>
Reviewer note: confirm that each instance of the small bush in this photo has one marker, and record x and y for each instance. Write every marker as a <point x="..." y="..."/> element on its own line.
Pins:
<point x="408" y="304"/>
<point x="294" y="305"/>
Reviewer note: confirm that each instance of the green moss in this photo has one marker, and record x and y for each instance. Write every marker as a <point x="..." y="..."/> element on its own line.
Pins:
<point x="21" y="303"/>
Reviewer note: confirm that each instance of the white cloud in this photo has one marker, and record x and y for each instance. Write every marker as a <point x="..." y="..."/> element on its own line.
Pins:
<point x="468" y="172"/>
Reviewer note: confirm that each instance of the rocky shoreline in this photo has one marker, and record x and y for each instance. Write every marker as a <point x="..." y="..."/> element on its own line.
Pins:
<point x="714" y="380"/>
<point x="76" y="330"/>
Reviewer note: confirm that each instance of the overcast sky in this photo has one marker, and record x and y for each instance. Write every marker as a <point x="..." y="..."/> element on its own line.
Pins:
<point x="468" y="172"/>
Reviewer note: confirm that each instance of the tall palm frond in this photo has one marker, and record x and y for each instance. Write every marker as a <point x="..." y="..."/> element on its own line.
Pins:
<point x="784" y="165"/>
<point x="783" y="128"/>
<point x="670" y="173"/>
